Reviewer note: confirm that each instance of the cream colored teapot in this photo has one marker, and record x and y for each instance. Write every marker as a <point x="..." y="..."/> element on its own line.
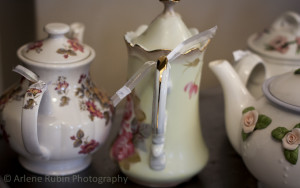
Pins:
<point x="165" y="148"/>
<point x="264" y="131"/>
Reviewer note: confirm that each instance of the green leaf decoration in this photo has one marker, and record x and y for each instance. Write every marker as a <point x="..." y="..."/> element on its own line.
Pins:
<point x="297" y="71"/>
<point x="291" y="155"/>
<point x="80" y="134"/>
<point x="77" y="143"/>
<point x="245" y="135"/>
<point x="193" y="63"/>
<point x="279" y="133"/>
<point x="248" y="109"/>
<point x="297" y="126"/>
<point x="263" y="122"/>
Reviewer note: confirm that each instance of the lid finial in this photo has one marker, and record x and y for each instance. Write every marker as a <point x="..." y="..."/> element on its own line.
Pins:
<point x="57" y="28"/>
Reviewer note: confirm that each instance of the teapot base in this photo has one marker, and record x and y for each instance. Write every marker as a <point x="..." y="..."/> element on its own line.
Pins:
<point x="57" y="167"/>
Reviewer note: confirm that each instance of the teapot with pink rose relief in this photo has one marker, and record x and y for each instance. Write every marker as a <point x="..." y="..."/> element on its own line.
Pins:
<point x="55" y="117"/>
<point x="264" y="131"/>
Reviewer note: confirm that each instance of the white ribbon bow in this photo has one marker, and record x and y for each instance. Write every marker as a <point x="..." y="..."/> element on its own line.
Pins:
<point x="177" y="51"/>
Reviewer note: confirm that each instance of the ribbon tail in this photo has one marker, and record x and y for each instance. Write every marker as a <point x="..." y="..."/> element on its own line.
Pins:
<point x="190" y="42"/>
<point x="132" y="82"/>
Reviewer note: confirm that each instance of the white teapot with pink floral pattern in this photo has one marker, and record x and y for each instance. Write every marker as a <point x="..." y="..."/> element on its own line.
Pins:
<point x="264" y="131"/>
<point x="274" y="51"/>
<point x="56" y="117"/>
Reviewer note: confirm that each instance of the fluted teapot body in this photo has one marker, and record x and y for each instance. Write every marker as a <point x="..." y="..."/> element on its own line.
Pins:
<point x="55" y="117"/>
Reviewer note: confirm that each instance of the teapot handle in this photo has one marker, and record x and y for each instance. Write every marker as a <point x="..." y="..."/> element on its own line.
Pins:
<point x="159" y="115"/>
<point x="245" y="64"/>
<point x="30" y="109"/>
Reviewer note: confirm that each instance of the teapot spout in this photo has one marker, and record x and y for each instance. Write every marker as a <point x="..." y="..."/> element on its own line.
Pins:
<point x="236" y="98"/>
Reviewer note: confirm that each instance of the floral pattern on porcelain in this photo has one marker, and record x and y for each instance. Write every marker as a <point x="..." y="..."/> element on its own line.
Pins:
<point x="93" y="100"/>
<point x="191" y="88"/>
<point x="17" y="92"/>
<point x="252" y="121"/>
<point x="281" y="44"/>
<point x="71" y="48"/>
<point x="37" y="46"/>
<point x="81" y="141"/>
<point x="32" y="94"/>
<point x="132" y="134"/>
<point x="290" y="140"/>
<point x="62" y="89"/>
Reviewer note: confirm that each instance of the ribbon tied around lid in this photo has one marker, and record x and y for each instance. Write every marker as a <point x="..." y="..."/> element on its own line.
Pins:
<point x="158" y="160"/>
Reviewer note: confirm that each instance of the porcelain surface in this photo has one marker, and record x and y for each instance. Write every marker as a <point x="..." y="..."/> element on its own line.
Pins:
<point x="57" y="118"/>
<point x="167" y="158"/>
<point x="265" y="132"/>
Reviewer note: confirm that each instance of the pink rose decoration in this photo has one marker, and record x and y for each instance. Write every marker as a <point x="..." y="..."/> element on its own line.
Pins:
<point x="298" y="41"/>
<point x="123" y="146"/>
<point x="62" y="86"/>
<point x="128" y="113"/>
<point x="279" y="44"/>
<point x="91" y="107"/>
<point x="75" y="45"/>
<point x="192" y="88"/>
<point x="292" y="139"/>
<point x="35" y="46"/>
<point x="249" y="120"/>
<point x="88" y="147"/>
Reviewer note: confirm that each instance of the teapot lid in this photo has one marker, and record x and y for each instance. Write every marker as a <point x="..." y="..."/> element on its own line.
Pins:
<point x="56" y="48"/>
<point x="165" y="32"/>
<point x="283" y="90"/>
<point x="281" y="40"/>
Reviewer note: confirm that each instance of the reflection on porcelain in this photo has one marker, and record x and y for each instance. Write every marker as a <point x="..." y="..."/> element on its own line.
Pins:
<point x="279" y="49"/>
<point x="152" y="149"/>
<point x="64" y="118"/>
<point x="264" y="131"/>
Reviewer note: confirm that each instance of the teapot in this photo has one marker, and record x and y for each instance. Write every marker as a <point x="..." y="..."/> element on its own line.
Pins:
<point x="273" y="51"/>
<point x="55" y="117"/>
<point x="264" y="131"/>
<point x="159" y="154"/>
